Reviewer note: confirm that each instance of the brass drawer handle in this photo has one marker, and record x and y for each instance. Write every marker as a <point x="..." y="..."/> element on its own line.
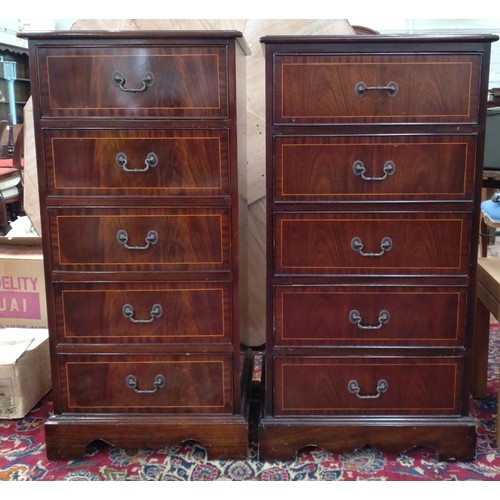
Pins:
<point x="156" y="312"/>
<point x="131" y="381"/>
<point x="359" y="168"/>
<point x="385" y="246"/>
<point x="147" y="81"/>
<point x="361" y="88"/>
<point x="151" y="161"/>
<point x="151" y="239"/>
<point x="353" y="388"/>
<point x="356" y="319"/>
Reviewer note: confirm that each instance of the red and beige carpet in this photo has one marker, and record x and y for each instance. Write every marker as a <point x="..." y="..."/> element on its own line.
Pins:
<point x="22" y="455"/>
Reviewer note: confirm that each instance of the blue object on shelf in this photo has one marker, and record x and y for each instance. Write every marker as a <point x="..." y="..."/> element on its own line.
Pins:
<point x="491" y="210"/>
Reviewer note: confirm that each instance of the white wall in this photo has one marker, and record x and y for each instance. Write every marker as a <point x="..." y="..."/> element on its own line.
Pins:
<point x="9" y="28"/>
<point x="430" y="26"/>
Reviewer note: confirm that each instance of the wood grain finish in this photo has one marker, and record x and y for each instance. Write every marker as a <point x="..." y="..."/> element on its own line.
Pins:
<point x="173" y="248"/>
<point x="140" y="162"/>
<point x="187" y="82"/>
<point x="430" y="88"/>
<point x="374" y="153"/>
<point x="374" y="315"/>
<point x="374" y="168"/>
<point x="190" y="313"/>
<point x="191" y="384"/>
<point x="322" y="243"/>
<point x="383" y="386"/>
<point x="187" y="162"/>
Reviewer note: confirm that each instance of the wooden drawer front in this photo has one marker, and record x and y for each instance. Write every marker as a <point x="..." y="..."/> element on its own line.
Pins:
<point x="137" y="162"/>
<point x="187" y="82"/>
<point x="166" y="313"/>
<point x="404" y="243"/>
<point x="389" y="386"/>
<point x="367" y="168"/>
<point x="369" y="316"/>
<point x="122" y="239"/>
<point x="185" y="383"/>
<point x="321" y="89"/>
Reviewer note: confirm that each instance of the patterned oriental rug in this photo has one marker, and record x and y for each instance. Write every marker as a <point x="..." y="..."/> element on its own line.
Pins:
<point x="22" y="455"/>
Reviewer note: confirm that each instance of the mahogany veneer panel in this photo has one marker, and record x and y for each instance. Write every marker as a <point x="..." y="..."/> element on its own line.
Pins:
<point x="188" y="239"/>
<point x="191" y="384"/>
<point x="321" y="243"/>
<point x="430" y="88"/>
<point x="189" y="313"/>
<point x="423" y="168"/>
<point x="186" y="162"/>
<point x="187" y="82"/>
<point x="309" y="315"/>
<point x="410" y="386"/>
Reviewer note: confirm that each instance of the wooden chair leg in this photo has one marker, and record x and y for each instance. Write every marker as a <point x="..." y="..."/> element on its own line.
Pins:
<point x="484" y="236"/>
<point x="4" y="216"/>
<point x="481" y="344"/>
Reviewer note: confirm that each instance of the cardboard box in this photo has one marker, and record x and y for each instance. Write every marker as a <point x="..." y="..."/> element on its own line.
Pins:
<point x="23" y="301"/>
<point x="24" y="370"/>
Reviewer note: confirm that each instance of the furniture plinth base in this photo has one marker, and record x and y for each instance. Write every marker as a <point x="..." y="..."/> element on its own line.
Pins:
<point x="283" y="438"/>
<point x="224" y="437"/>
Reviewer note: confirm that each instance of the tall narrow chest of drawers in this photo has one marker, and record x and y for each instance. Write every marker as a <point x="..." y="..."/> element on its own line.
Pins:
<point x="141" y="173"/>
<point x="374" y="160"/>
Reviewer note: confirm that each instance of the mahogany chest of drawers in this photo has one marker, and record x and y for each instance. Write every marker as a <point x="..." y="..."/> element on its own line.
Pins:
<point x="140" y="152"/>
<point x="374" y="160"/>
